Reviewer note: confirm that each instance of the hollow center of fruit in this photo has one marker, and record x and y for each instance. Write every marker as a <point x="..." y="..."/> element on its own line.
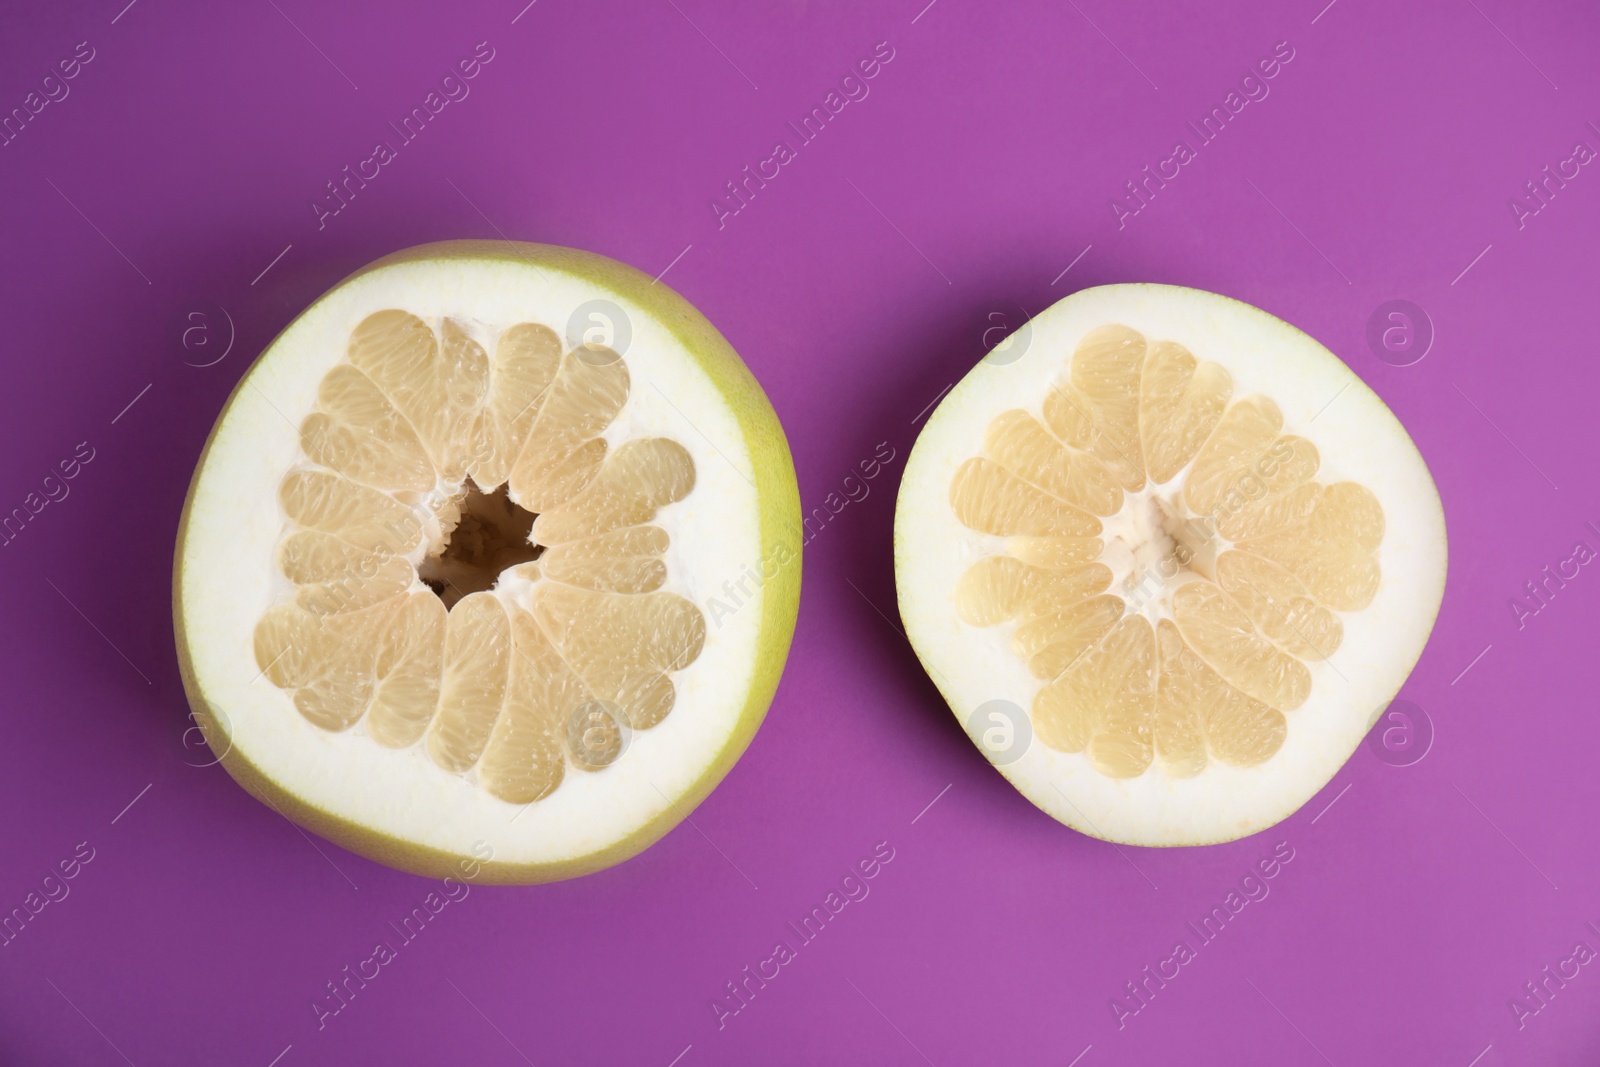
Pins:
<point x="490" y="537"/>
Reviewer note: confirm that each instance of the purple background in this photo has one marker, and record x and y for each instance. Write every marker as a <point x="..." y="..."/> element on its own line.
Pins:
<point x="858" y="284"/>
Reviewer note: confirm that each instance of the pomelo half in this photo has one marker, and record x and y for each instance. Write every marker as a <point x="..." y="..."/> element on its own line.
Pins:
<point x="1167" y="558"/>
<point x="491" y="553"/>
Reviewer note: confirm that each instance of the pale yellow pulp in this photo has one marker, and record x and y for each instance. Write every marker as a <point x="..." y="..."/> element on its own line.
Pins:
<point x="419" y="444"/>
<point x="1235" y="560"/>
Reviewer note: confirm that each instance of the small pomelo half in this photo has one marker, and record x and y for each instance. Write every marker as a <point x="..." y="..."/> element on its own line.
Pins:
<point x="1167" y="558"/>
<point x="489" y="564"/>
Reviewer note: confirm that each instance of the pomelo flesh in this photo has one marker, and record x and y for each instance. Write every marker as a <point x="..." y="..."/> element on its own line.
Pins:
<point x="1166" y="562"/>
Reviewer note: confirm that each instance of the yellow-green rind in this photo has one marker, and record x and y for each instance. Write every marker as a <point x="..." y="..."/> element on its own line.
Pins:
<point x="778" y="493"/>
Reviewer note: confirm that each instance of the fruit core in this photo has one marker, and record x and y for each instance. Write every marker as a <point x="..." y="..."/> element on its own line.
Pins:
<point x="1164" y="558"/>
<point x="1160" y="543"/>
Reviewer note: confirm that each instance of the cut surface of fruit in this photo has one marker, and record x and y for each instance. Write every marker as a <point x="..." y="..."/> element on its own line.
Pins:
<point x="442" y="577"/>
<point x="1186" y="544"/>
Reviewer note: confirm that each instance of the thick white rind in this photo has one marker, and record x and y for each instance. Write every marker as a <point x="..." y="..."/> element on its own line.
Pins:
<point x="227" y="577"/>
<point x="1358" y="438"/>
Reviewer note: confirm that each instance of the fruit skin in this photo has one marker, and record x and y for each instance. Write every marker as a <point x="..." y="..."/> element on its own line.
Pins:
<point x="779" y="496"/>
<point x="905" y="536"/>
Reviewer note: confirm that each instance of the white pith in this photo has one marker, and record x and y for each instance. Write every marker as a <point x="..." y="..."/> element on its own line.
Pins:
<point x="229" y="578"/>
<point x="1358" y="439"/>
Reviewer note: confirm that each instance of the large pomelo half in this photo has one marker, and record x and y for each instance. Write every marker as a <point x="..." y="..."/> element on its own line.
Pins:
<point x="1166" y="557"/>
<point x="491" y="553"/>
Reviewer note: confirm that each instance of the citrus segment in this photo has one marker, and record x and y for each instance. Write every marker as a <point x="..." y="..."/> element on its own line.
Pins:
<point x="358" y="514"/>
<point x="524" y="760"/>
<point x="356" y="432"/>
<point x="1181" y="401"/>
<point x="1101" y="403"/>
<point x="437" y="388"/>
<point x="1103" y="701"/>
<point x="526" y="358"/>
<point x="563" y="451"/>
<point x="1022" y="445"/>
<point x="472" y="686"/>
<point x="990" y="498"/>
<point x="621" y="561"/>
<point x="408" y="670"/>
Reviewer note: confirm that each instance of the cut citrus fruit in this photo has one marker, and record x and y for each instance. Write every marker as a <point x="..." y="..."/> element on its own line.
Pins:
<point x="452" y="578"/>
<point x="1166" y="558"/>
